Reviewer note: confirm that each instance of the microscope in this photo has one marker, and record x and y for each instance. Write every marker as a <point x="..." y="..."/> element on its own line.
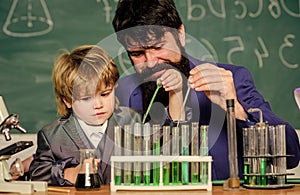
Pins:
<point x="6" y="182"/>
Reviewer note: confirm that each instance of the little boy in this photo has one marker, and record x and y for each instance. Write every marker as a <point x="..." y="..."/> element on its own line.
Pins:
<point x="84" y="85"/>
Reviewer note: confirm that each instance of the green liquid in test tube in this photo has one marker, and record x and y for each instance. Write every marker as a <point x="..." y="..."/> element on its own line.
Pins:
<point x="147" y="152"/>
<point x="175" y="153"/>
<point x="147" y="178"/>
<point x="263" y="171"/>
<point x="137" y="152"/>
<point x="137" y="179"/>
<point x="166" y="175"/>
<point x="262" y="130"/>
<point x="204" y="152"/>
<point x="185" y="167"/>
<point x="118" y="180"/>
<point x="166" y="152"/>
<point x="117" y="152"/>
<point x="195" y="152"/>
<point x="246" y="171"/>
<point x="156" y="151"/>
<point x="185" y="152"/>
<point x="127" y="152"/>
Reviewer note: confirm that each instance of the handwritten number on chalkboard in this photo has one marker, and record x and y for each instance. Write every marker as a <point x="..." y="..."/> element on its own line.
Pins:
<point x="222" y="13"/>
<point x="274" y="8"/>
<point x="191" y="8"/>
<point x="259" y="55"/>
<point x="286" y="44"/>
<point x="244" y="9"/>
<point x="108" y="9"/>
<point x="239" y="48"/>
<point x="259" y="10"/>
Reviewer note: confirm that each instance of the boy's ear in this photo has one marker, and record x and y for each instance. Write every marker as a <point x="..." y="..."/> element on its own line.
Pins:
<point x="68" y="104"/>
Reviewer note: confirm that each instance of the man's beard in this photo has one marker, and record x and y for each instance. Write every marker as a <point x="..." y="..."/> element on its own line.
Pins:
<point x="149" y="86"/>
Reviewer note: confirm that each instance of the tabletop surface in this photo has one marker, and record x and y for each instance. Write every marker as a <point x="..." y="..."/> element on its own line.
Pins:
<point x="218" y="190"/>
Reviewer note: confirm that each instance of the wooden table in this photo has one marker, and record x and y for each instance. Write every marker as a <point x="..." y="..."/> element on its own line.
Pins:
<point x="216" y="190"/>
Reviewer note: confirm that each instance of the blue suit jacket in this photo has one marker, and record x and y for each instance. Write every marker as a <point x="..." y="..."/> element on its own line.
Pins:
<point x="207" y="113"/>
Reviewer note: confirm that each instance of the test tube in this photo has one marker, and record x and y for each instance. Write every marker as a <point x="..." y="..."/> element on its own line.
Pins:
<point x="232" y="144"/>
<point x="246" y="153"/>
<point x="195" y="152"/>
<point x="185" y="152"/>
<point x="117" y="152"/>
<point x="256" y="161"/>
<point x="262" y="131"/>
<point x="127" y="152"/>
<point x="156" y="151"/>
<point x="166" y="152"/>
<point x="253" y="153"/>
<point x="273" y="166"/>
<point x="137" y="152"/>
<point x="204" y="152"/>
<point x="281" y="152"/>
<point x="175" y="152"/>
<point x="147" y="167"/>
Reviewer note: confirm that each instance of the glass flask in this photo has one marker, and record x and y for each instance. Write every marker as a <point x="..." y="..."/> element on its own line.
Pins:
<point x="87" y="178"/>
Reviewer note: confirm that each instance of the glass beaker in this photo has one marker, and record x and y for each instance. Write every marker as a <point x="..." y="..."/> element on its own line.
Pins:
<point x="87" y="177"/>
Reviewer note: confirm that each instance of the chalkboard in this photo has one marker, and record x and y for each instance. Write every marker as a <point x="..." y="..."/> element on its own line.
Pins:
<point x="260" y="35"/>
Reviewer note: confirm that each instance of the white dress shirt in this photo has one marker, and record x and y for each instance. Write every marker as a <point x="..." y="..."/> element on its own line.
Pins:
<point x="93" y="132"/>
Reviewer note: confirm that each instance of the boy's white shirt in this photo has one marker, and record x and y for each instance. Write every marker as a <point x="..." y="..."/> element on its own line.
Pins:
<point x="93" y="132"/>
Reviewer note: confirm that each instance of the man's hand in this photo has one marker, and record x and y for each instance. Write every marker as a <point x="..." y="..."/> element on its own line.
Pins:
<point x="171" y="80"/>
<point x="217" y="83"/>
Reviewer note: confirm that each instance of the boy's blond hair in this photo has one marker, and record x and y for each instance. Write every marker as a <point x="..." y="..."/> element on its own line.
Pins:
<point x="82" y="71"/>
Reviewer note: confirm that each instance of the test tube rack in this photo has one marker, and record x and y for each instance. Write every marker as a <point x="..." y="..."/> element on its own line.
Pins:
<point x="265" y="170"/>
<point x="161" y="159"/>
<point x="273" y="176"/>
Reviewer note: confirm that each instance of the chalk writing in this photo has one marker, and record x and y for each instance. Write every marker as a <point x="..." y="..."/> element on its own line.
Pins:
<point x="36" y="25"/>
<point x="197" y="10"/>
<point x="284" y="46"/>
<point x="264" y="54"/>
<point x="108" y="9"/>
